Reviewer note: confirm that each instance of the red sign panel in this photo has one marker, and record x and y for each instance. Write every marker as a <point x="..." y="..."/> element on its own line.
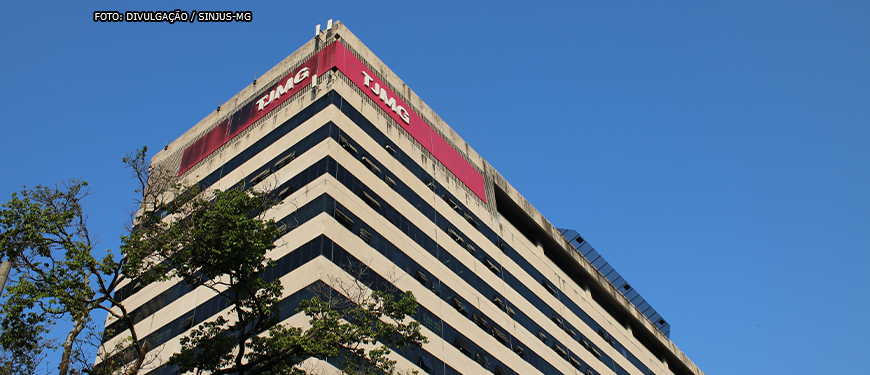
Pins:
<point x="337" y="55"/>
<point x="247" y="115"/>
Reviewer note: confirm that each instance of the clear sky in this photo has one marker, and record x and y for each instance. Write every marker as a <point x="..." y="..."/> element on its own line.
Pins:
<point x="715" y="154"/>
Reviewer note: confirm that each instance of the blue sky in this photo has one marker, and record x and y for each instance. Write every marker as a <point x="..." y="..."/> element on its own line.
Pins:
<point x="715" y="154"/>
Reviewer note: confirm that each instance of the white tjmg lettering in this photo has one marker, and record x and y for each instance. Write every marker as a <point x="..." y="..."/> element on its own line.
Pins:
<point x="403" y="113"/>
<point x="302" y="74"/>
<point x="281" y="90"/>
<point x="381" y="92"/>
<point x="368" y="78"/>
<point x="390" y="102"/>
<point x="262" y="103"/>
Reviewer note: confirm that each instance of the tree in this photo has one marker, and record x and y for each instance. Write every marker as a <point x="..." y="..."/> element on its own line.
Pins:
<point x="220" y="241"/>
<point x="43" y="231"/>
<point x="217" y="240"/>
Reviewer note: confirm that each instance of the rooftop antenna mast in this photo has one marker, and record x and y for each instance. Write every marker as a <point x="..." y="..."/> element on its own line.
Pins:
<point x="317" y="33"/>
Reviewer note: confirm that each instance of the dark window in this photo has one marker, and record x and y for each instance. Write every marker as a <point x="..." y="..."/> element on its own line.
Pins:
<point x="371" y="165"/>
<point x="462" y="345"/>
<point x="450" y="202"/>
<point x="390" y="182"/>
<point x="458" y="305"/>
<point x="285" y="192"/>
<point x="519" y="350"/>
<point x="389" y="149"/>
<point x="470" y="248"/>
<point x="556" y="319"/>
<point x="455" y="236"/>
<point x="594" y="352"/>
<point x="498" y="302"/>
<point x="283" y="228"/>
<point x="603" y="334"/>
<point x="343" y="218"/>
<point x="260" y="177"/>
<point x="492" y="267"/>
<point x="347" y="146"/>
<point x="421" y="277"/>
<point x="499" y="335"/>
<point x="548" y="287"/>
<point x="424" y="363"/>
<point x="470" y="219"/>
<point x="481" y="359"/>
<point x="370" y="200"/>
<point x="479" y="320"/>
<point x="365" y="235"/>
<point x="569" y="330"/>
<point x="574" y="361"/>
<point x="286" y="160"/>
<point x="559" y="350"/>
<point x="187" y="323"/>
<point x="435" y="288"/>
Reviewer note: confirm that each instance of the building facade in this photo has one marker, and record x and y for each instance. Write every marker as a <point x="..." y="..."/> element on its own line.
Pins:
<point x="367" y="173"/>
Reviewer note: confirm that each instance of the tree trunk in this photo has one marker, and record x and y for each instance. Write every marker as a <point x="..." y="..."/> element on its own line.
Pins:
<point x="141" y="352"/>
<point x="79" y="325"/>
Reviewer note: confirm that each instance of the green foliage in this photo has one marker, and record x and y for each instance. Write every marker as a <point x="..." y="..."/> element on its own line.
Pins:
<point x="347" y="332"/>
<point x="43" y="232"/>
<point x="358" y="334"/>
<point x="57" y="276"/>
<point x="219" y="240"/>
<point x="23" y="328"/>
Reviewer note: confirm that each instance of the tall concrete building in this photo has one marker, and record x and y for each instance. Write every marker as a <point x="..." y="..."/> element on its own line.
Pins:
<point x="367" y="173"/>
